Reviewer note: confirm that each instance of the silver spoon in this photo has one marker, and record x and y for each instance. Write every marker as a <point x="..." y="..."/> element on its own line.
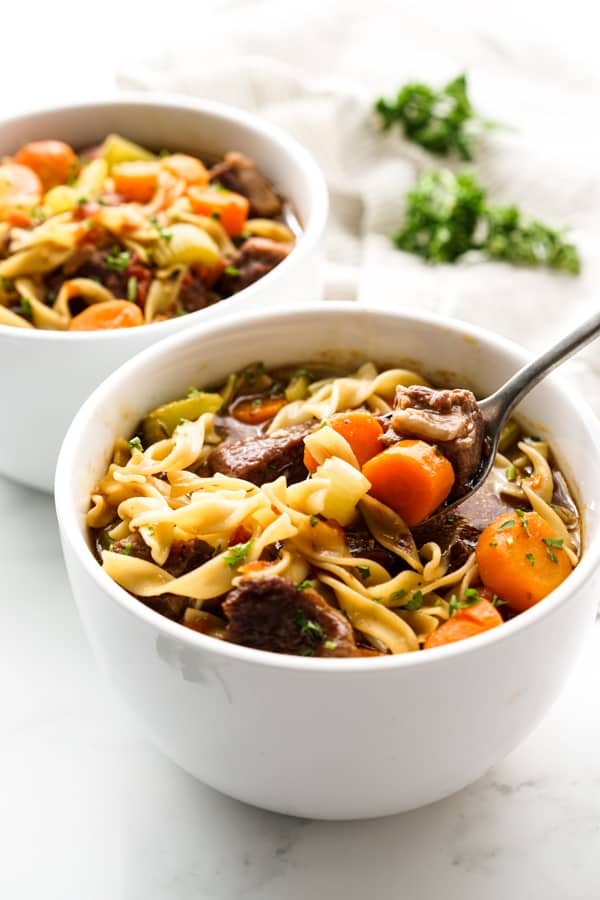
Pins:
<point x="496" y="408"/>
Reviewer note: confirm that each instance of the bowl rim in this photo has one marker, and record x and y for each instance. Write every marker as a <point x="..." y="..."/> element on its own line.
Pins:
<point x="70" y="528"/>
<point x="304" y="161"/>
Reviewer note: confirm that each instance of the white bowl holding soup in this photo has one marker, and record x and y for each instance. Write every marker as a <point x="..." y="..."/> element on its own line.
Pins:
<point x="316" y="737"/>
<point x="46" y="374"/>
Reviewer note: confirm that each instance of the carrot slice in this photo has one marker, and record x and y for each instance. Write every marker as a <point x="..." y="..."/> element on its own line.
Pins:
<point x="411" y="477"/>
<point x="467" y="622"/>
<point x="521" y="558"/>
<point x="108" y="314"/>
<point x="229" y="208"/>
<point x="360" y="428"/>
<point x="253" y="412"/>
<point x="19" y="187"/>
<point x="136" y="181"/>
<point x="187" y="168"/>
<point x="52" y="161"/>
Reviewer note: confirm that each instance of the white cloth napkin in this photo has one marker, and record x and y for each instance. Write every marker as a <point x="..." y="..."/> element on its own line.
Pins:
<point x="315" y="70"/>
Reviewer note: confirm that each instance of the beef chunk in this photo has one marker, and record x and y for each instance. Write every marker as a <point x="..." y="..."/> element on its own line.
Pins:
<point x="90" y="262"/>
<point x="194" y="294"/>
<point x="449" y="418"/>
<point x="263" y="458"/>
<point x="457" y="531"/>
<point x="361" y="543"/>
<point x="270" y="613"/>
<point x="186" y="556"/>
<point x="239" y="173"/>
<point x="133" y="545"/>
<point x="254" y="259"/>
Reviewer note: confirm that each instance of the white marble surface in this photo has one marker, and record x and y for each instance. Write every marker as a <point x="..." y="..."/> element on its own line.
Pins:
<point x="91" y="811"/>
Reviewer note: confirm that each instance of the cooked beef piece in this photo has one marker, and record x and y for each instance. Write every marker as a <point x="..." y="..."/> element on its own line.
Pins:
<point x="186" y="556"/>
<point x="457" y="531"/>
<point x="231" y="429"/>
<point x="90" y="262"/>
<point x="255" y="258"/>
<point x="133" y="545"/>
<point x="169" y="605"/>
<point x="361" y="543"/>
<point x="270" y="613"/>
<point x="264" y="457"/>
<point x="239" y="173"/>
<point x="194" y="294"/>
<point x="449" y="418"/>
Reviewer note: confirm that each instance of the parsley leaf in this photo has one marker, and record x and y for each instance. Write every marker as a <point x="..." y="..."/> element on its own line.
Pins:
<point x="238" y="553"/>
<point x="135" y="444"/>
<point x="553" y="542"/>
<point x="364" y="572"/>
<point x="132" y="283"/>
<point x="442" y="121"/>
<point x="310" y="629"/>
<point x="118" y="259"/>
<point x="508" y="524"/>
<point x="531" y="558"/>
<point x="303" y="585"/>
<point x="231" y="270"/>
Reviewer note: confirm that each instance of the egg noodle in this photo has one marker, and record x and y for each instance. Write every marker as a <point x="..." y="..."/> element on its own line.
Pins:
<point x="157" y="493"/>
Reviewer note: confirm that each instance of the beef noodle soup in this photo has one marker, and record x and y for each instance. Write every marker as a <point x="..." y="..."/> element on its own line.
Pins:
<point x="291" y="511"/>
<point x="117" y="236"/>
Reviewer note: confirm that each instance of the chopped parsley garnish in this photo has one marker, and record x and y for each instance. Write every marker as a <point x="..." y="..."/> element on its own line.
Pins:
<point x="192" y="392"/>
<point x="135" y="444"/>
<point x="511" y="473"/>
<point x="524" y="521"/>
<point x="36" y="213"/>
<point x="216" y="215"/>
<point x="442" y="121"/>
<point x="82" y="200"/>
<point x="436" y="449"/>
<point x="398" y="595"/>
<point x="551" y="555"/>
<point x="310" y="629"/>
<point x="314" y="520"/>
<point x="415" y="602"/>
<point x="132" y="284"/>
<point x="496" y="601"/>
<point x="364" y="572"/>
<point x="231" y="270"/>
<point x="162" y="232"/>
<point x="127" y="549"/>
<point x="531" y="558"/>
<point x="471" y="597"/>
<point x="493" y="544"/>
<point x="6" y="284"/>
<point x="330" y="645"/>
<point x="238" y="553"/>
<point x="553" y="542"/>
<point x="508" y="524"/>
<point x="303" y="585"/>
<point x="448" y="215"/>
<point x="118" y="259"/>
<point x="25" y="308"/>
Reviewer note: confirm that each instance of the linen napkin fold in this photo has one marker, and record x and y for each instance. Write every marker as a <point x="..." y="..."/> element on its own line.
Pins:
<point x="318" y="76"/>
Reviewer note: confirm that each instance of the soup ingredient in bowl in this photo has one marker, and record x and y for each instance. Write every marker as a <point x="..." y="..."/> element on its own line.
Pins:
<point x="282" y="510"/>
<point x="118" y="224"/>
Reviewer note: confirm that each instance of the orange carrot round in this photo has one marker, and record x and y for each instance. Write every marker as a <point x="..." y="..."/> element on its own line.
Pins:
<point x="19" y="187"/>
<point x="188" y="168"/>
<point x="411" y="477"/>
<point x="136" y="181"/>
<point x="467" y="622"/>
<point x="52" y="161"/>
<point x="360" y="428"/>
<point x="521" y="558"/>
<point x="229" y="208"/>
<point x="108" y="314"/>
<point x="254" y="412"/>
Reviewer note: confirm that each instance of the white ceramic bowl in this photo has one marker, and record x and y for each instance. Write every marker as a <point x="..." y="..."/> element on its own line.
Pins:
<point x="46" y="375"/>
<point x="321" y="738"/>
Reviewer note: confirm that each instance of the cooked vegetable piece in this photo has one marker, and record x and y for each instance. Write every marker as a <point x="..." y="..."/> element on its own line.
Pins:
<point x="473" y="619"/>
<point x="52" y="161"/>
<point x="19" y="187"/>
<point x="521" y="559"/>
<point x="230" y="208"/>
<point x="186" y="244"/>
<point x="107" y="314"/>
<point x="188" y="168"/>
<point x="117" y="149"/>
<point x="258" y="410"/>
<point x="297" y="388"/>
<point x="410" y="477"/>
<point x="360" y="429"/>
<point x="136" y="181"/>
<point x="162" y="421"/>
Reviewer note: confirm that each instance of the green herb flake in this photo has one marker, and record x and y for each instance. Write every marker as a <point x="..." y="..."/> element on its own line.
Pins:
<point x="117" y="259"/>
<point x="496" y="601"/>
<point x="216" y="215"/>
<point x="530" y="557"/>
<point x="238" y="553"/>
<point x="132" y="286"/>
<point x="82" y="200"/>
<point x="493" y="544"/>
<point x="192" y="392"/>
<point x="364" y="572"/>
<point x="398" y="595"/>
<point x="551" y="555"/>
<point x="415" y="603"/>
<point x="553" y="542"/>
<point x="508" y="524"/>
<point x="25" y="308"/>
<point x="135" y="444"/>
<point x="314" y="520"/>
<point x="511" y="473"/>
<point x="523" y="519"/>
<point x="127" y="549"/>
<point x="7" y="284"/>
<point x="303" y="585"/>
<point x="310" y="629"/>
<point x="330" y="645"/>
<point x="232" y="270"/>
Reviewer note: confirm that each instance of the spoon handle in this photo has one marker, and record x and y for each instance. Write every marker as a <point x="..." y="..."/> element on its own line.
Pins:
<point x="498" y="406"/>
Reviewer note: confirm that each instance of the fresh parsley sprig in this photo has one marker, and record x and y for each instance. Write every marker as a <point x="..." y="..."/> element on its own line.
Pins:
<point x="442" y="121"/>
